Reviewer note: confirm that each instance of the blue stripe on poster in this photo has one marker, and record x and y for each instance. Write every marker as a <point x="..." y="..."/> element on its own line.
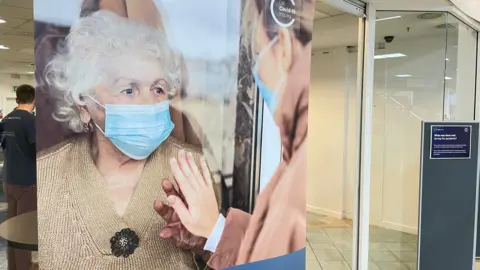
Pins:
<point x="292" y="261"/>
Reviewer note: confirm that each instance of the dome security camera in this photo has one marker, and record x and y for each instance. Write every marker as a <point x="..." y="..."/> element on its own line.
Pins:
<point x="389" y="39"/>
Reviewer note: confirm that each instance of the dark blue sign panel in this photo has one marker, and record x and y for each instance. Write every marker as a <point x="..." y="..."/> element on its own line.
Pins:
<point x="451" y="142"/>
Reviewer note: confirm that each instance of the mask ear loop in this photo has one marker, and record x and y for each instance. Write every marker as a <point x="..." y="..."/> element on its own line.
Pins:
<point x="94" y="100"/>
<point x="283" y="76"/>
<point x="98" y="103"/>
<point x="265" y="50"/>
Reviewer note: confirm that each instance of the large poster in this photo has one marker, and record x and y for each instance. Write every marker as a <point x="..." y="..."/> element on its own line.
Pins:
<point x="143" y="106"/>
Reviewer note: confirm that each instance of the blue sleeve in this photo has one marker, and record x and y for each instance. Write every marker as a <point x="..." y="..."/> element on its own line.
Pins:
<point x="214" y="238"/>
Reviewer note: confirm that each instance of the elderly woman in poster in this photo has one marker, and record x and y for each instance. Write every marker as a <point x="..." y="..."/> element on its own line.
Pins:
<point x="114" y="78"/>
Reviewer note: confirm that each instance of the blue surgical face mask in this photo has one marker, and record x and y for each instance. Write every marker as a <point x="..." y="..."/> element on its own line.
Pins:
<point x="137" y="130"/>
<point x="269" y="95"/>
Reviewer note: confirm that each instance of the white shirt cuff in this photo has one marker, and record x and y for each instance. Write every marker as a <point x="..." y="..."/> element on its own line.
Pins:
<point x="214" y="238"/>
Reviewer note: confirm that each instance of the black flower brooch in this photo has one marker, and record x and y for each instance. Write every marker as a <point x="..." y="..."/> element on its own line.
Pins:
<point x="124" y="243"/>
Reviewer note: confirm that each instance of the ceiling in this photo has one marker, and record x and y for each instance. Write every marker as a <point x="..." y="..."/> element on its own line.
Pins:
<point x="323" y="11"/>
<point x="342" y="29"/>
<point x="335" y="28"/>
<point x="470" y="7"/>
<point x="17" y="34"/>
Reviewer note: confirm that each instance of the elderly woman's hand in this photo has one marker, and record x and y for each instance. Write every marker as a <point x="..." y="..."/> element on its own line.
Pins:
<point x="201" y="215"/>
<point x="174" y="229"/>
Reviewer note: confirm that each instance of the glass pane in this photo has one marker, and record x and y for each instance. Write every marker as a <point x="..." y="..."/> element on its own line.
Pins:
<point x="332" y="124"/>
<point x="409" y="83"/>
<point x="271" y="148"/>
<point x="460" y="72"/>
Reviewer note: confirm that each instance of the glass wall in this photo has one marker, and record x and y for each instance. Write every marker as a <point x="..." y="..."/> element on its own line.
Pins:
<point x="333" y="119"/>
<point x="424" y="70"/>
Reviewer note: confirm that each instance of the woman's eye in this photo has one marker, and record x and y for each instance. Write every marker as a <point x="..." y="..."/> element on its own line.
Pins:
<point x="159" y="90"/>
<point x="128" y="92"/>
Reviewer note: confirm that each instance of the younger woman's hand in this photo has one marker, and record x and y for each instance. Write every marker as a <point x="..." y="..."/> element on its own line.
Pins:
<point x="201" y="215"/>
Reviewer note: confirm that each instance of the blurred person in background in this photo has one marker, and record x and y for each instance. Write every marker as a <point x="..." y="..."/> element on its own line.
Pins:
<point x="19" y="167"/>
<point x="277" y="226"/>
<point x="114" y="78"/>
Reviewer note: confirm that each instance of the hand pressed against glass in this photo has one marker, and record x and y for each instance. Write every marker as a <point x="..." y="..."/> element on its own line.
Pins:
<point x="201" y="215"/>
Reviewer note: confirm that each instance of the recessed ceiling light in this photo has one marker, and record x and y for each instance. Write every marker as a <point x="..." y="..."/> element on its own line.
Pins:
<point x="391" y="55"/>
<point x="30" y="72"/>
<point x="388" y="18"/>
<point x="3" y="47"/>
<point x="430" y="15"/>
<point x="448" y="78"/>
<point x="2" y="21"/>
<point x="447" y="59"/>
<point x="403" y="76"/>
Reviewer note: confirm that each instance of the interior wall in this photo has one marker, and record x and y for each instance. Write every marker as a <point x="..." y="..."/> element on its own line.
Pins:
<point x="332" y="113"/>
<point x="400" y="103"/>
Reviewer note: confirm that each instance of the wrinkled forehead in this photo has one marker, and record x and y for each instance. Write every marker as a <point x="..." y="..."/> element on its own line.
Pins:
<point x="135" y="67"/>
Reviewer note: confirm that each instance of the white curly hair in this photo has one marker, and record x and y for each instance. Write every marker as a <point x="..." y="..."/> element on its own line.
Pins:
<point x="88" y="49"/>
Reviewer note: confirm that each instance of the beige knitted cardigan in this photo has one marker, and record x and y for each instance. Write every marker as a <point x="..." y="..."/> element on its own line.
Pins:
<point x="76" y="219"/>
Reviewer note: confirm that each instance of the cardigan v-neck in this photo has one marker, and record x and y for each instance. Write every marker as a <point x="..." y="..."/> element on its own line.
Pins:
<point x="91" y="195"/>
<point x="77" y="218"/>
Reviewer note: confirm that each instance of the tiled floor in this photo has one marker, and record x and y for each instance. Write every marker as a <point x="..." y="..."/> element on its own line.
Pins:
<point x="329" y="246"/>
<point x="330" y="242"/>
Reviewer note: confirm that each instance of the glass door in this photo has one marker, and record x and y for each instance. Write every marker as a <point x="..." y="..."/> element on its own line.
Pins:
<point x="334" y="121"/>
<point x="425" y="66"/>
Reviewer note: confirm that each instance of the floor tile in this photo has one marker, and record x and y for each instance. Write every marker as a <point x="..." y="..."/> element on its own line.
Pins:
<point x="383" y="256"/>
<point x="373" y="266"/>
<point x="335" y="231"/>
<point x="413" y="265"/>
<point x="392" y="266"/>
<point x="401" y="246"/>
<point x="406" y="256"/>
<point x="347" y="255"/>
<point x="340" y="236"/>
<point x="314" y="230"/>
<point x="377" y="247"/>
<point x="323" y="246"/>
<point x="318" y="237"/>
<point x="334" y="265"/>
<point x="410" y="238"/>
<point x="328" y="255"/>
<point x="396" y="238"/>
<point x="313" y="265"/>
<point x="310" y="256"/>
<point x="343" y="244"/>
<point x="330" y="242"/>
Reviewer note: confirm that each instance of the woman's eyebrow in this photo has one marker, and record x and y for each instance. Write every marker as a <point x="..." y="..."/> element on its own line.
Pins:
<point x="160" y="81"/>
<point x="127" y="80"/>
